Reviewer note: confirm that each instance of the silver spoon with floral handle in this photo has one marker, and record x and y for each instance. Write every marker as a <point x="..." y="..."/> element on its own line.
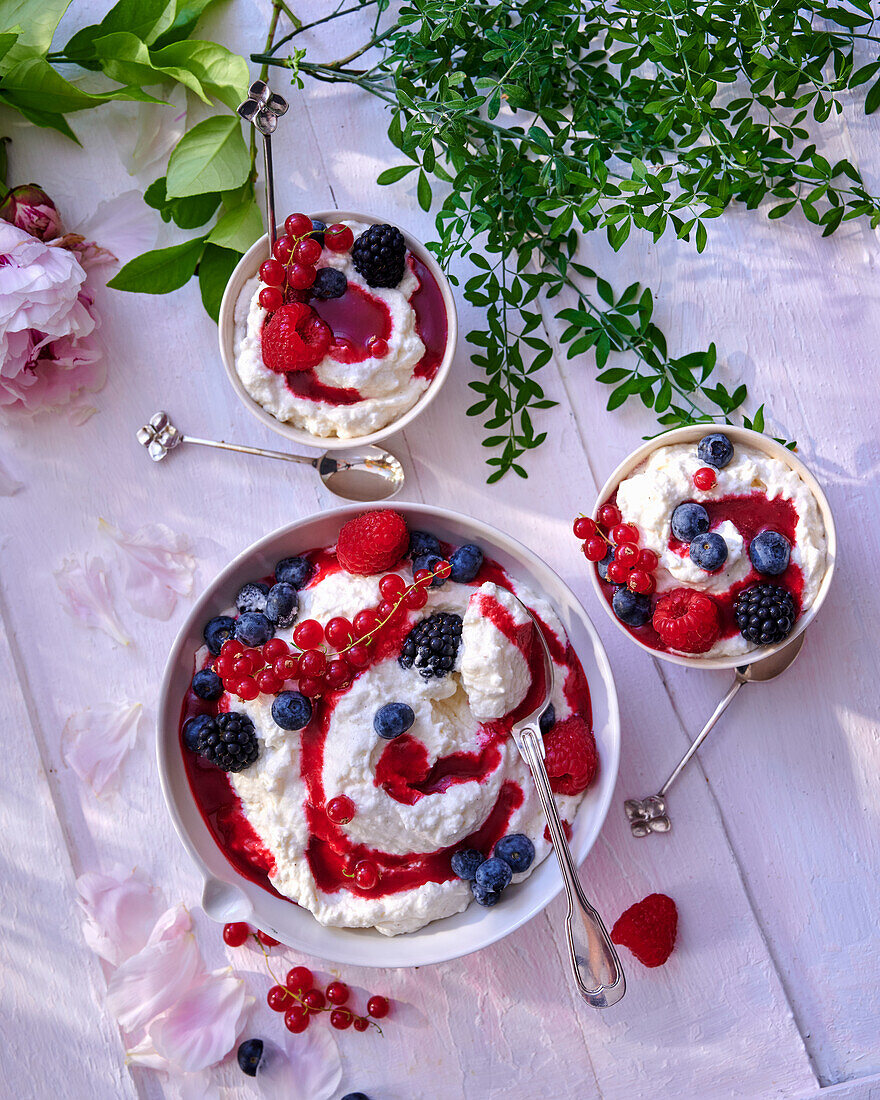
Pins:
<point x="262" y="109"/>
<point x="595" y="966"/>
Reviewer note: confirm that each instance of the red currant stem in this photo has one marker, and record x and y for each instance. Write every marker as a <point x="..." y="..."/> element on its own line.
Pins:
<point x="383" y="622"/>
<point x="299" y="997"/>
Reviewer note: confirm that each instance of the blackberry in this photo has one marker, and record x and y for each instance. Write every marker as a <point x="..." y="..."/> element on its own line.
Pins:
<point x="379" y="254"/>
<point x="229" y="741"/>
<point x="765" y="613"/>
<point x="432" y="645"/>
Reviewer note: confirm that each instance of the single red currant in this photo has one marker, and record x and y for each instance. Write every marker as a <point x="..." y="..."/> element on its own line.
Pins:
<point x="256" y="658"/>
<point x="365" y="622"/>
<point x="225" y="668"/>
<point x="297" y="1019"/>
<point x="242" y="667"/>
<point x="361" y="1023"/>
<point x="340" y="1018"/>
<point x="640" y="581"/>
<point x="271" y="298"/>
<point x="377" y="347"/>
<point x="235" y="934"/>
<point x="416" y="599"/>
<point x="231" y="649"/>
<point x="338" y="674"/>
<point x="338" y="993"/>
<point x="609" y="515"/>
<point x="230" y="683"/>
<point x="340" y="810"/>
<point x="297" y="225"/>
<point x="247" y="688"/>
<point x="272" y="273"/>
<point x="388" y="611"/>
<point x="648" y="560"/>
<point x="266" y="940"/>
<point x="627" y="553"/>
<point x="392" y="586"/>
<point x="378" y="1007"/>
<point x="366" y="875"/>
<point x="595" y="548"/>
<point x="307" y="252"/>
<point x="705" y="478"/>
<point x="339" y="632"/>
<point x="299" y="979"/>
<point x="314" y="1000"/>
<point x="617" y="573"/>
<point x="311" y="687"/>
<point x="358" y="655"/>
<point x="301" y="276"/>
<point x="268" y="682"/>
<point x="308" y="634"/>
<point x="338" y="237"/>
<point x="275" y="648"/>
<point x="286" y="668"/>
<point x="282" y="249"/>
<point x="442" y="570"/>
<point x="279" y="999"/>
<point x="422" y="578"/>
<point x="312" y="664"/>
<point x="625" y="532"/>
<point x="584" y="527"/>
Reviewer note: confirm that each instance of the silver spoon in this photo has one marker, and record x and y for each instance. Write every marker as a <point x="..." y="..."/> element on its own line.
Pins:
<point x="262" y="109"/>
<point x="359" y="473"/>
<point x="649" y="815"/>
<point x="595" y="966"/>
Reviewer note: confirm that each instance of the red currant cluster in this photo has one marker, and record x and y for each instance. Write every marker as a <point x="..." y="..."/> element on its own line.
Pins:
<point x="236" y="934"/>
<point x="299" y="999"/>
<point x="295" y="255"/>
<point x="247" y="671"/>
<point x="630" y="565"/>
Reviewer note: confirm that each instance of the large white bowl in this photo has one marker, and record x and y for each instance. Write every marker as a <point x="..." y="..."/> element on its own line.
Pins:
<point x="247" y="268"/>
<point x="693" y="434"/>
<point x="230" y="896"/>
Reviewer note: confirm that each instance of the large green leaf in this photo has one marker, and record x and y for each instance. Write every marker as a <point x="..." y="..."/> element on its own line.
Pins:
<point x="145" y="19"/>
<point x="41" y="118"/>
<point x="35" y="85"/>
<point x="36" y="21"/>
<point x="215" y="267"/>
<point x="160" y="271"/>
<point x="239" y="227"/>
<point x="212" y="156"/>
<point x="189" y="12"/>
<point x="187" y="213"/>
<point x="222" y="73"/>
<point x="125" y="58"/>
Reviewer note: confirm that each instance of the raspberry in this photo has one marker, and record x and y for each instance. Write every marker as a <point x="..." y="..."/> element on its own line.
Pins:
<point x="294" y="338"/>
<point x="687" y="620"/>
<point x="372" y="542"/>
<point x="648" y="929"/>
<point x="571" y="758"/>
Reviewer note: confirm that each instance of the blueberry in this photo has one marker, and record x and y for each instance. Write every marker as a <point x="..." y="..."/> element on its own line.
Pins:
<point x="769" y="553"/>
<point x="465" y="562"/>
<point x="282" y="604"/>
<point x="252" y="596"/>
<point x="715" y="450"/>
<point x="330" y="282"/>
<point x="548" y="719"/>
<point x="393" y="719"/>
<point x="631" y="607"/>
<point x="195" y="727"/>
<point x="602" y="565"/>
<point x="709" y="551"/>
<point x="249" y="1054"/>
<point x="466" y="862"/>
<point x="516" y="850"/>
<point x="429" y="561"/>
<point x="207" y="684"/>
<point x="291" y="711"/>
<point x="218" y="630"/>
<point x="689" y="520"/>
<point x="495" y="874"/>
<point x="295" y="571"/>
<point x="423" y="542"/>
<point x="253" y="628"/>
<point x="484" y="896"/>
<point x="355" y="1096"/>
<point x="318" y="228"/>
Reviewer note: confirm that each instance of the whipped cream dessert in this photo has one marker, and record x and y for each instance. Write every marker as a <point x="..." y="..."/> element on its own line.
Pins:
<point x="357" y="814"/>
<point x="719" y="519"/>
<point x="383" y="347"/>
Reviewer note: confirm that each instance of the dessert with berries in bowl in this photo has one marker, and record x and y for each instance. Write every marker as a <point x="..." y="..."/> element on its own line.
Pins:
<point x="345" y="730"/>
<point x="341" y="332"/>
<point x="710" y="547"/>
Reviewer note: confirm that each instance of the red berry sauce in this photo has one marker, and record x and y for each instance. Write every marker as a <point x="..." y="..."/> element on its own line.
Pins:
<point x="403" y="770"/>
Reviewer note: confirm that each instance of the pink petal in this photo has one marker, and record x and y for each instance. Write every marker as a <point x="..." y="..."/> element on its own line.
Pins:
<point x="96" y="741"/>
<point x="86" y="593"/>
<point x="307" y="1067"/>
<point x="8" y="485"/>
<point x="159" y="567"/>
<point x="154" y="979"/>
<point x="124" y="227"/>
<point x="120" y="913"/>
<point x="201" y="1028"/>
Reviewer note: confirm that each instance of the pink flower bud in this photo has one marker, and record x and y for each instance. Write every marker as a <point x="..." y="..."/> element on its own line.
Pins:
<point x="28" y="207"/>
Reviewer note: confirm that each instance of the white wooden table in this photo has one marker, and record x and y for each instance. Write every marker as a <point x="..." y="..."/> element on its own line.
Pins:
<point x="774" y="987"/>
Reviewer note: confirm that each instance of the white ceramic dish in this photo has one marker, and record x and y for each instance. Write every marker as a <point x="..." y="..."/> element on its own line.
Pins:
<point x="762" y="443"/>
<point x="247" y="268"/>
<point x="230" y="896"/>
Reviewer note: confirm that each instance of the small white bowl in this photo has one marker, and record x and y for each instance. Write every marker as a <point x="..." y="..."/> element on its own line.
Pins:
<point x="229" y="896"/>
<point x="249" y="265"/>
<point x="693" y="434"/>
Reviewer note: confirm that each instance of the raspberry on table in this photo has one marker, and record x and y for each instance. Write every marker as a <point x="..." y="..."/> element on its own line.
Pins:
<point x="648" y="929"/>
<point x="372" y="542"/>
<point x="687" y="620"/>
<point x="571" y="757"/>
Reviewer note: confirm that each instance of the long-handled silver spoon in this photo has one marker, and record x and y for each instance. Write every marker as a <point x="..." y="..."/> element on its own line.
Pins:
<point x="359" y="473"/>
<point x="649" y="815"/>
<point x="262" y="109"/>
<point x="595" y="966"/>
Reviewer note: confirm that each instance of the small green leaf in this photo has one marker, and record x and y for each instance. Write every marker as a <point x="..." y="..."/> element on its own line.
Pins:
<point x="160" y="271"/>
<point x="423" y="191"/>
<point x="215" y="268"/>
<point x="239" y="227"/>
<point x="212" y="156"/>
<point x="392" y="175"/>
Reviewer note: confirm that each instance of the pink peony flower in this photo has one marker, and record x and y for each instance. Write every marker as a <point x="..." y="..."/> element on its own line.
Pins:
<point x="28" y="207"/>
<point x="48" y="356"/>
